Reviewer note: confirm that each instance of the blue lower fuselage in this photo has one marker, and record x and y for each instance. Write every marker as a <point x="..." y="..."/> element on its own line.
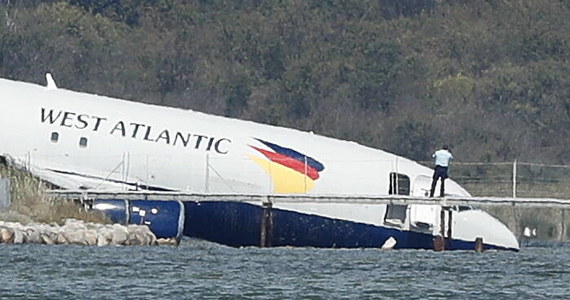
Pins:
<point x="242" y="224"/>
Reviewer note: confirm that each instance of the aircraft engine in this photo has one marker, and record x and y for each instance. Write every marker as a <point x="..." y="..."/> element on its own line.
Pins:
<point x="164" y="218"/>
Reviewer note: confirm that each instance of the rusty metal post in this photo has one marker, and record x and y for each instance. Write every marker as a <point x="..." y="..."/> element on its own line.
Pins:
<point x="266" y="225"/>
<point x="438" y="243"/>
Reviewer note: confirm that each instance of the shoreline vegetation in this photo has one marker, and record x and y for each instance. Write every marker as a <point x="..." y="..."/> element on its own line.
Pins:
<point x="30" y="202"/>
<point x="35" y="217"/>
<point x="488" y="78"/>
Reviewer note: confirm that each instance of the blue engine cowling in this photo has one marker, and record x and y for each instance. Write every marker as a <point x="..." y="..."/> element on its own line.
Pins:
<point x="164" y="218"/>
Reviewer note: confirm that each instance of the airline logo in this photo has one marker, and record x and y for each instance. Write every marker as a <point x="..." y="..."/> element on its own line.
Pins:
<point x="291" y="172"/>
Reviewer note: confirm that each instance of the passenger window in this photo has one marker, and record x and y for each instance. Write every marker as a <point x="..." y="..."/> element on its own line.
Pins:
<point x="399" y="184"/>
<point x="54" y="137"/>
<point x="83" y="142"/>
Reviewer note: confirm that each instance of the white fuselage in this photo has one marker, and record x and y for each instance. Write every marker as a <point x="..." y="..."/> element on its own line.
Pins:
<point x="183" y="150"/>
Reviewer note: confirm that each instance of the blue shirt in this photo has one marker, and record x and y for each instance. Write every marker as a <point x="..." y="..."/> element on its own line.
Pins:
<point x="442" y="157"/>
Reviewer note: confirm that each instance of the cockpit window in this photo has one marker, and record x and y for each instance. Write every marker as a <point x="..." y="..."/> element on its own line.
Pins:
<point x="83" y="142"/>
<point x="462" y="207"/>
<point x="54" y="137"/>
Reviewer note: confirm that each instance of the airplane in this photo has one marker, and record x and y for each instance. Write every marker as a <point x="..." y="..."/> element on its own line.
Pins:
<point x="80" y="141"/>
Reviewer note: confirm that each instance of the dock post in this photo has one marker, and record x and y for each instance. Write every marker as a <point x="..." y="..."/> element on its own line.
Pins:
<point x="479" y="247"/>
<point x="443" y="240"/>
<point x="266" y="225"/>
<point x="563" y="231"/>
<point x="449" y="240"/>
<point x="439" y="241"/>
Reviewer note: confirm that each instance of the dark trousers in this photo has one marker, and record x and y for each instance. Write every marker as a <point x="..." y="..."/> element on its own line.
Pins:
<point x="440" y="172"/>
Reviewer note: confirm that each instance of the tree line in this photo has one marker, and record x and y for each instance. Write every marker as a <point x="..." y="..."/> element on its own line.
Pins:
<point x="490" y="78"/>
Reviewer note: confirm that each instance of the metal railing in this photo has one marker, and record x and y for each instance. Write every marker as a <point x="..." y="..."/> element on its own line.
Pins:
<point x="482" y="179"/>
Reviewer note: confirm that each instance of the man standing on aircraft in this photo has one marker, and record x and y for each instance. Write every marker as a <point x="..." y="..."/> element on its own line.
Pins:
<point x="442" y="159"/>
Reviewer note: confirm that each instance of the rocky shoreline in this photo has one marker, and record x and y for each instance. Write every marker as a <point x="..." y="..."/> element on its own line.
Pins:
<point x="78" y="232"/>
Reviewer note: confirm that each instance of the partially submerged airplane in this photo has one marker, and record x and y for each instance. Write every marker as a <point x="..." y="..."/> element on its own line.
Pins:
<point x="79" y="141"/>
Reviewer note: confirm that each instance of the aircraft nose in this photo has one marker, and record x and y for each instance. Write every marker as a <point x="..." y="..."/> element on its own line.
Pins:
<point x="477" y="223"/>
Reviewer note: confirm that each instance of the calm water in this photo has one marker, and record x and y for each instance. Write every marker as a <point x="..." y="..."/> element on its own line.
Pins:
<point x="200" y="270"/>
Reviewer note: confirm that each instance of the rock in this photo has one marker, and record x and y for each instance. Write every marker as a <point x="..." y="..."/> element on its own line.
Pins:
<point x="90" y="238"/>
<point x="76" y="238"/>
<point x="6" y="235"/>
<point x="18" y="236"/>
<point x="140" y="236"/>
<point x="61" y="239"/>
<point x="74" y="225"/>
<point x="120" y="235"/>
<point x="76" y="232"/>
<point x="32" y="236"/>
<point x="46" y="239"/>
<point x="105" y="236"/>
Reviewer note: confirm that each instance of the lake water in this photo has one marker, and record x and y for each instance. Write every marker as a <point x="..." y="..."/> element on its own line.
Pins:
<point x="202" y="270"/>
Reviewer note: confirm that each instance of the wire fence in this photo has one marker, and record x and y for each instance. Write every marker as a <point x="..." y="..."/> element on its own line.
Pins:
<point x="512" y="179"/>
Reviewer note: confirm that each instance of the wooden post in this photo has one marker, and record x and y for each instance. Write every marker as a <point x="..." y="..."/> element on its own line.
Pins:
<point x="442" y="222"/>
<point x="449" y="240"/>
<point x="479" y="247"/>
<point x="439" y="241"/>
<point x="517" y="228"/>
<point x="563" y="233"/>
<point x="266" y="225"/>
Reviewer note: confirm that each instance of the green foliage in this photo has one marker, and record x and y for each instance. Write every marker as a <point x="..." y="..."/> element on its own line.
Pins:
<point x="491" y="78"/>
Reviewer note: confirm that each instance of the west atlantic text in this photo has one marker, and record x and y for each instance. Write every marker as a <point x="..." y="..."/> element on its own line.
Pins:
<point x="135" y="130"/>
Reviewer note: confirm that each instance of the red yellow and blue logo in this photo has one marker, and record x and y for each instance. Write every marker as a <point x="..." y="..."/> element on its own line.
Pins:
<point x="291" y="172"/>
